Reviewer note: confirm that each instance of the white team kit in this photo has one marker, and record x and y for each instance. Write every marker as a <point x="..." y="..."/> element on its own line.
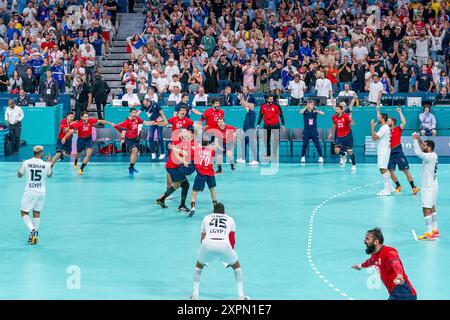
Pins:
<point x="430" y="184"/>
<point x="36" y="171"/>
<point x="216" y="245"/>
<point x="383" y="146"/>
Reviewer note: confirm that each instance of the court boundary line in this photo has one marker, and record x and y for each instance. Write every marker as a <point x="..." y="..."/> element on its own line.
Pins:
<point x="309" y="251"/>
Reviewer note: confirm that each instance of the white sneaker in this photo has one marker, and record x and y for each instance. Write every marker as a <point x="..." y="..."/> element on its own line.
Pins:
<point x="153" y="156"/>
<point x="254" y="163"/>
<point x="320" y="160"/>
<point x="384" y="192"/>
<point x="303" y="160"/>
<point x="353" y="167"/>
<point x="194" y="297"/>
<point x="241" y="161"/>
<point x="244" y="298"/>
<point x="162" y="156"/>
<point x="344" y="159"/>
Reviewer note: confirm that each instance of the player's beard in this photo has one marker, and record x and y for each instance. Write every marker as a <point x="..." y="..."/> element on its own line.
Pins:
<point x="370" y="248"/>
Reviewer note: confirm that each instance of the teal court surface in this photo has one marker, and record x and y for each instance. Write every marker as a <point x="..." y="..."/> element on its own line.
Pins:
<point x="298" y="233"/>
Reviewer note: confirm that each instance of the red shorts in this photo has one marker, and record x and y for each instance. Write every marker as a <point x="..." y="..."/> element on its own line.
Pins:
<point x="105" y="35"/>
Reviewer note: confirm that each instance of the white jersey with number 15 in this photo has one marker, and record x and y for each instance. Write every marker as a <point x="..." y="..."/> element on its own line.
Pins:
<point x="36" y="171"/>
<point x="218" y="226"/>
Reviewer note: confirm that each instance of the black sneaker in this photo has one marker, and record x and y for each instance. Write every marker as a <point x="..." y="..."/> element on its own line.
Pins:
<point x="191" y="212"/>
<point x="218" y="171"/>
<point x="183" y="208"/>
<point x="233" y="167"/>
<point x="161" y="203"/>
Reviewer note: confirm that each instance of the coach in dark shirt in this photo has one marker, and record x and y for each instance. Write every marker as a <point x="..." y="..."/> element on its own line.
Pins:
<point x="83" y="97"/>
<point x="29" y="82"/>
<point x="154" y="111"/>
<point x="49" y="90"/>
<point x="100" y="91"/>
<point x="310" y="129"/>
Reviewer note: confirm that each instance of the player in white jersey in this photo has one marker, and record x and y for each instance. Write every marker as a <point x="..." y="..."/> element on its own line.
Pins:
<point x="383" y="139"/>
<point x="218" y="239"/>
<point x="425" y="151"/>
<point x="36" y="171"/>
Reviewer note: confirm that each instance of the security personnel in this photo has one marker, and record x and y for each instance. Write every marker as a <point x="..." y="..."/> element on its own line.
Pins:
<point x="49" y="90"/>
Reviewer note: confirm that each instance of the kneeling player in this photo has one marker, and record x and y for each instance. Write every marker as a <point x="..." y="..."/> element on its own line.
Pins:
<point x="217" y="243"/>
<point x="64" y="142"/>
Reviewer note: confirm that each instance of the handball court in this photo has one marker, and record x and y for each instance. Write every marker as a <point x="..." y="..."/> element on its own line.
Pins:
<point x="298" y="231"/>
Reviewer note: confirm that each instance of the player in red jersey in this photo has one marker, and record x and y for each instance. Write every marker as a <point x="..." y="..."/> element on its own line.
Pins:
<point x="204" y="165"/>
<point x="84" y="142"/>
<point x="130" y="135"/>
<point x="179" y="166"/>
<point x="211" y="116"/>
<point x="271" y="113"/>
<point x="387" y="262"/>
<point x="228" y="140"/>
<point x="397" y="157"/>
<point x="64" y="142"/>
<point x="344" y="137"/>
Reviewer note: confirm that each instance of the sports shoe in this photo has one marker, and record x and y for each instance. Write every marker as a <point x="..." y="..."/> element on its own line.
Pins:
<point x="254" y="163"/>
<point x="398" y="189"/>
<point x="219" y="171"/>
<point x="162" y="156"/>
<point x="415" y="190"/>
<point x="429" y="236"/>
<point x="153" y="156"/>
<point x="191" y="212"/>
<point x="30" y="237"/>
<point x="34" y="238"/>
<point x="80" y="172"/>
<point x="130" y="172"/>
<point x="194" y="297"/>
<point x="241" y="161"/>
<point x="233" y="167"/>
<point x="344" y="158"/>
<point x="183" y="208"/>
<point x="244" y="298"/>
<point x="161" y="203"/>
<point x="302" y="160"/>
<point x="436" y="233"/>
<point x="75" y="165"/>
<point x="320" y="160"/>
<point x="353" y="167"/>
<point x="384" y="192"/>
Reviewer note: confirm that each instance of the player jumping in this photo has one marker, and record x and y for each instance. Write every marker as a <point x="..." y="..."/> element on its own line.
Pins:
<point x="217" y="243"/>
<point x="64" y="142"/>
<point x="387" y="262"/>
<point x="430" y="186"/>
<point x="228" y="139"/>
<point x="36" y="171"/>
<point x="383" y="139"/>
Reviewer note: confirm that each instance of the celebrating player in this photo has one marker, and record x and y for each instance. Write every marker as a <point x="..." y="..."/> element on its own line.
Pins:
<point x="344" y="136"/>
<point x="130" y="135"/>
<point x="228" y="138"/>
<point x="387" y="262"/>
<point x="397" y="157"/>
<point x="310" y="129"/>
<point x="383" y="139"/>
<point x="64" y="142"/>
<point x="425" y="151"/>
<point x="217" y="243"/>
<point x="84" y="142"/>
<point x="36" y="171"/>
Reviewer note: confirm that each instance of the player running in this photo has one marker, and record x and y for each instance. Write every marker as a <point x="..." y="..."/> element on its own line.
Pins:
<point x="64" y="142"/>
<point x="397" y="157"/>
<point x="228" y="139"/>
<point x="344" y="136"/>
<point x="130" y="135"/>
<point x="430" y="186"/>
<point x="383" y="139"/>
<point x="179" y="166"/>
<point x="84" y="142"/>
<point x="387" y="262"/>
<point x="36" y="171"/>
<point x="217" y="243"/>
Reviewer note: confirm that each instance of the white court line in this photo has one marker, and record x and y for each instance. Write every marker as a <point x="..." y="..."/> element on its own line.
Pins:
<point x="310" y="236"/>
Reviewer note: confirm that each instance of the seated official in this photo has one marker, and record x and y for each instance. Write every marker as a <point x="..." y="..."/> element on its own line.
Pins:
<point x="131" y="98"/>
<point x="427" y="122"/>
<point x="22" y="100"/>
<point x="442" y="95"/>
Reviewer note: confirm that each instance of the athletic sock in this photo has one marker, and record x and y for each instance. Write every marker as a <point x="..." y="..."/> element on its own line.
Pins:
<point x="386" y="180"/>
<point x="412" y="184"/>
<point x="193" y="204"/>
<point x="219" y="167"/>
<point x="83" y="166"/>
<point x="434" y="221"/>
<point x="131" y="165"/>
<point x="168" y="192"/>
<point x="27" y="220"/>
<point x="397" y="184"/>
<point x="184" y="193"/>
<point x="239" y="282"/>
<point x="75" y="162"/>
<point x="36" y="223"/>
<point x="197" y="274"/>
<point x="214" y="203"/>
<point x="429" y="223"/>
<point x="352" y="158"/>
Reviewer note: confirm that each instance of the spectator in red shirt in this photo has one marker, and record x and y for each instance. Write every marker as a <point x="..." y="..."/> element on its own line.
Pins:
<point x="387" y="262"/>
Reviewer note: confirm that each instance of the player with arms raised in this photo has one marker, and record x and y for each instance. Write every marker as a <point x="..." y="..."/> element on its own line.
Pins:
<point x="217" y="243"/>
<point x="36" y="171"/>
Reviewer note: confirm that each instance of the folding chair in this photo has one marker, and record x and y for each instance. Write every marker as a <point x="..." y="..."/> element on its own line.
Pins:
<point x="103" y="137"/>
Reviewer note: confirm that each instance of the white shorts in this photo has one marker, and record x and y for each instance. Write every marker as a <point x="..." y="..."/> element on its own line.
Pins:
<point x="383" y="160"/>
<point x="429" y="196"/>
<point x="32" y="201"/>
<point x="212" y="250"/>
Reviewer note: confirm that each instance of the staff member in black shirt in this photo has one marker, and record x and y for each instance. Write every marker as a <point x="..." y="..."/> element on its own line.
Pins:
<point x="83" y="97"/>
<point x="49" y="90"/>
<point x="22" y="100"/>
<point x="310" y="129"/>
<point x="404" y="78"/>
<point x="236" y="76"/>
<point x="101" y="90"/>
<point x="29" y="82"/>
<point x="111" y="7"/>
